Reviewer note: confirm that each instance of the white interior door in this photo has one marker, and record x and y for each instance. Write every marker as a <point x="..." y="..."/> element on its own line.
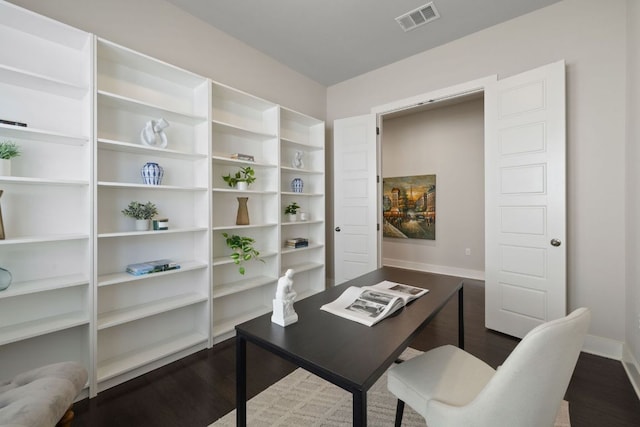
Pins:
<point x="355" y="197"/>
<point x="525" y="208"/>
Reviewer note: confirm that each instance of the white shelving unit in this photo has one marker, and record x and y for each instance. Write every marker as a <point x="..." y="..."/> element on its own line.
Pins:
<point x="243" y="124"/>
<point x="300" y="134"/>
<point x="85" y="101"/>
<point x="45" y="82"/>
<point x="146" y="321"/>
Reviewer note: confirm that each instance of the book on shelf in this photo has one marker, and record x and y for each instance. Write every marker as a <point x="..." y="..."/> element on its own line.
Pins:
<point x="370" y="304"/>
<point x="150" y="267"/>
<point x="245" y="157"/>
<point x="298" y="242"/>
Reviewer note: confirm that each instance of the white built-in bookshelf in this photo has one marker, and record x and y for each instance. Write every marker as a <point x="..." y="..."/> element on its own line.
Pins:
<point x="85" y="101"/>
<point x="141" y="320"/>
<point x="45" y="82"/>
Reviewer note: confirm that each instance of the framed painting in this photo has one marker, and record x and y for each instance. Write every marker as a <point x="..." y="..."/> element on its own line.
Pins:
<point x="409" y="207"/>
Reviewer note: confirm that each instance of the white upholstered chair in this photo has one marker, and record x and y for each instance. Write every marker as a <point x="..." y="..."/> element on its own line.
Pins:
<point x="449" y="387"/>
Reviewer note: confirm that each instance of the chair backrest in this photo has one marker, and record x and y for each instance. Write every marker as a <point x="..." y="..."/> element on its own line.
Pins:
<point x="528" y="388"/>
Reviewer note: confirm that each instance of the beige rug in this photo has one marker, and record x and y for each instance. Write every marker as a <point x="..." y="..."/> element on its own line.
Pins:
<point x="303" y="399"/>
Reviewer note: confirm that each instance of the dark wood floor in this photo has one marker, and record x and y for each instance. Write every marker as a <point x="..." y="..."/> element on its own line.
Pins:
<point x="197" y="390"/>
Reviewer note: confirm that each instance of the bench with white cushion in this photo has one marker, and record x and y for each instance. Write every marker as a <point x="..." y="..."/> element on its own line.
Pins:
<point x="43" y="396"/>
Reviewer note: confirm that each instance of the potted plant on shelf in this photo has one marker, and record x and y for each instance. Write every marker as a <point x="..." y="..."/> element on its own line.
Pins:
<point x="8" y="150"/>
<point x="142" y="213"/>
<point x="292" y="210"/>
<point x="241" y="179"/>
<point x="242" y="250"/>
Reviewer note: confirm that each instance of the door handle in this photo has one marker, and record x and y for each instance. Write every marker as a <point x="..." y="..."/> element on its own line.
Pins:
<point x="338" y="229"/>
<point x="555" y="242"/>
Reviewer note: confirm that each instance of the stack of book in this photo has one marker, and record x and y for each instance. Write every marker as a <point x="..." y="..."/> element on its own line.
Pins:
<point x="297" y="242"/>
<point x="245" y="157"/>
<point x="152" y="267"/>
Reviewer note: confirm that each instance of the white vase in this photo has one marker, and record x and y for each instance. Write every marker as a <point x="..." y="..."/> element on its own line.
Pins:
<point x="304" y="216"/>
<point x="142" y="224"/>
<point x="5" y="167"/>
<point x="242" y="185"/>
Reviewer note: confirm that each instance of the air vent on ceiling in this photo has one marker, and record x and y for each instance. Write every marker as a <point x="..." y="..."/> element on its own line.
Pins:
<point x="418" y="17"/>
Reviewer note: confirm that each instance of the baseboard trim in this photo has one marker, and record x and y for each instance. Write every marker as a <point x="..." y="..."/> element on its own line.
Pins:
<point x="632" y="367"/>
<point x="432" y="268"/>
<point x="605" y="347"/>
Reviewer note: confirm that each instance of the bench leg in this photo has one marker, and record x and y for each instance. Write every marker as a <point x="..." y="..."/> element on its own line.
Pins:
<point x="66" y="419"/>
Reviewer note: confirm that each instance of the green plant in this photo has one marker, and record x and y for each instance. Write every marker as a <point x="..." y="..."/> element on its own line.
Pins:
<point x="242" y="250"/>
<point x="8" y="150"/>
<point x="291" y="208"/>
<point x="139" y="210"/>
<point x="246" y="174"/>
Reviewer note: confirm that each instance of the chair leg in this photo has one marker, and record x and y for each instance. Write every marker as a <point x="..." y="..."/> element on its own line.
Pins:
<point x="399" y="411"/>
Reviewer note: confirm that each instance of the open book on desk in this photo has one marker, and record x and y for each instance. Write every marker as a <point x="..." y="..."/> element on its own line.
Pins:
<point x="370" y="304"/>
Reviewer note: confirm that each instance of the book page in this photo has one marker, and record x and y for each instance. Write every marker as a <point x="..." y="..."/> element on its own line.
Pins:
<point x="365" y="305"/>
<point x="406" y="292"/>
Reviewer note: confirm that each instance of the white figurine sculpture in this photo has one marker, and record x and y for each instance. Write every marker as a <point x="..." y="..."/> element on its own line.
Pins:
<point x="283" y="312"/>
<point x="297" y="160"/>
<point x="153" y="133"/>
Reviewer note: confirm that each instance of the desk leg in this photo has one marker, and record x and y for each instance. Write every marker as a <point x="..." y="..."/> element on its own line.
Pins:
<point x="461" y="318"/>
<point x="360" y="409"/>
<point x="241" y="382"/>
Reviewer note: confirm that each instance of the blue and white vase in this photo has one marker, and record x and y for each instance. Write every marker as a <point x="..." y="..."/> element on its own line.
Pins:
<point x="296" y="185"/>
<point x="152" y="173"/>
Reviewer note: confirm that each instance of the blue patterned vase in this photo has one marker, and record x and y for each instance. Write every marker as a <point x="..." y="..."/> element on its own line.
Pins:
<point x="296" y="185"/>
<point x="152" y="173"/>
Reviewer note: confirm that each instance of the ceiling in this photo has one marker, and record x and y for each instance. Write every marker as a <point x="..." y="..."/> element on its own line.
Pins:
<point x="331" y="41"/>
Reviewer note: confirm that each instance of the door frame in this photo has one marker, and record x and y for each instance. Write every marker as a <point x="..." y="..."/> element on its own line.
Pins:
<point x="417" y="101"/>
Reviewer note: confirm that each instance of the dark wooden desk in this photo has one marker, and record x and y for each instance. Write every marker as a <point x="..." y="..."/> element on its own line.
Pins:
<point x="348" y="354"/>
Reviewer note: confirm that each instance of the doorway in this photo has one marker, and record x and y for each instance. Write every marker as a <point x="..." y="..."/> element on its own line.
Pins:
<point x="524" y="193"/>
<point x="444" y="139"/>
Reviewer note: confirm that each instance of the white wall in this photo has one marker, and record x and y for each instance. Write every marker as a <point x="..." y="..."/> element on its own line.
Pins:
<point x="592" y="40"/>
<point x="633" y="188"/>
<point x="161" y="30"/>
<point x="448" y="142"/>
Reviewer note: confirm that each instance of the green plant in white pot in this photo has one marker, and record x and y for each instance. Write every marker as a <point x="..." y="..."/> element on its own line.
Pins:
<point x="8" y="150"/>
<point x="241" y="179"/>
<point x="292" y="211"/>
<point x="142" y="213"/>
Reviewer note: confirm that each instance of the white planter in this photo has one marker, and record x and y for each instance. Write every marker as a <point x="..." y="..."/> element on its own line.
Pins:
<point x="142" y="224"/>
<point x="5" y="167"/>
<point x="293" y="217"/>
<point x="242" y="185"/>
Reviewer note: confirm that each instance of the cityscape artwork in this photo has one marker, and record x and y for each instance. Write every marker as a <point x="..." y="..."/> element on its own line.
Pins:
<point x="409" y="207"/>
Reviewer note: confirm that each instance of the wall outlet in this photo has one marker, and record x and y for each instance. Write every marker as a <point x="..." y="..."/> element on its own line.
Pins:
<point x="467" y="251"/>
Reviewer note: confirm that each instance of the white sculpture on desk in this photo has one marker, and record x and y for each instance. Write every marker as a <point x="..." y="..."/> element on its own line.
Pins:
<point x="283" y="312"/>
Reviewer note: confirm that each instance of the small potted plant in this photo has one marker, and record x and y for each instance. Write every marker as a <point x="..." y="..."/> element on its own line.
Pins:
<point x="242" y="250"/>
<point x="8" y="150"/>
<point x="241" y="179"/>
<point x="142" y="213"/>
<point x="292" y="210"/>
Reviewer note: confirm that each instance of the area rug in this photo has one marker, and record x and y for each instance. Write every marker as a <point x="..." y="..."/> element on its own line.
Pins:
<point x="302" y="399"/>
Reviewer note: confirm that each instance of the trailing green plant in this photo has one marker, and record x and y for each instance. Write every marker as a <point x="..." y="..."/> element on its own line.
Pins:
<point x="139" y="210"/>
<point x="291" y="208"/>
<point x="242" y="250"/>
<point x="9" y="150"/>
<point x="246" y="174"/>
